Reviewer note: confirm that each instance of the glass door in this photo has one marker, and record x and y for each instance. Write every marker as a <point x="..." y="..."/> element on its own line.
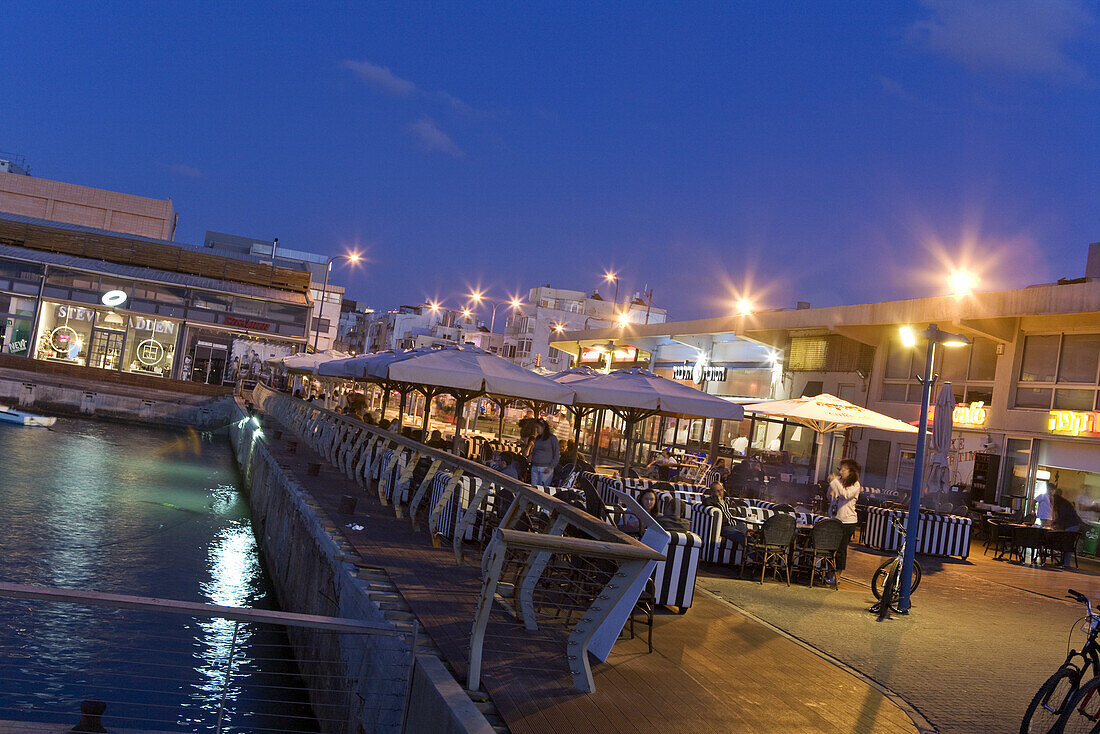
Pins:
<point x="106" y="349"/>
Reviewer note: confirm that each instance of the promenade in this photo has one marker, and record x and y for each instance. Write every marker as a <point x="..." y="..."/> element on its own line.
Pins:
<point x="712" y="670"/>
<point x="982" y="638"/>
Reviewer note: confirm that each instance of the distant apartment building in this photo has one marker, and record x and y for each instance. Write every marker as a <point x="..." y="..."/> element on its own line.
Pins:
<point x="412" y="327"/>
<point x="57" y="201"/>
<point x="548" y="311"/>
<point x="355" y="316"/>
<point x="327" y="301"/>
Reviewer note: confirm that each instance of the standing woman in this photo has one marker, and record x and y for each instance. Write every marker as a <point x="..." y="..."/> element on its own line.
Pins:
<point x="844" y="490"/>
<point x="545" y="453"/>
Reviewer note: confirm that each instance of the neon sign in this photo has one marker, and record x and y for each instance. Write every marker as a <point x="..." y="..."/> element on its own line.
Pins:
<point x="1074" y="423"/>
<point x="970" y="415"/>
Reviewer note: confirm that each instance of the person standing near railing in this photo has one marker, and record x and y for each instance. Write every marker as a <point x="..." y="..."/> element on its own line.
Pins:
<point x="545" y="453"/>
<point x="844" y="490"/>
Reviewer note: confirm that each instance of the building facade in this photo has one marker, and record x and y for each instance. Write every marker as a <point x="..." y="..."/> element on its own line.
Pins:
<point x="1027" y="388"/>
<point x="58" y="201"/>
<point x="91" y="298"/>
<point x="548" y="312"/>
<point x="414" y="327"/>
<point x="352" y="330"/>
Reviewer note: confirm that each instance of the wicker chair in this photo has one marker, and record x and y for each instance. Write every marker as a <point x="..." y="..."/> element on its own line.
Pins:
<point x="1000" y="540"/>
<point x="773" y="543"/>
<point x="1060" y="544"/>
<point x="825" y="542"/>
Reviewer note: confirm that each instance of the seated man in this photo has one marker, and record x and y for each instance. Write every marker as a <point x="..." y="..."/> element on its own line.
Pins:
<point x="662" y="466"/>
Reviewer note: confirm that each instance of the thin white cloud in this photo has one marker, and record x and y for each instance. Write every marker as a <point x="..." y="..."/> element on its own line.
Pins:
<point x="433" y="140"/>
<point x="1023" y="36"/>
<point x="381" y="78"/>
<point x="187" y="171"/>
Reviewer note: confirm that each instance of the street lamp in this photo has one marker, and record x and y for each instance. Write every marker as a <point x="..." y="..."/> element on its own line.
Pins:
<point x="962" y="283"/>
<point x="934" y="336"/>
<point x="351" y="258"/>
<point x="612" y="277"/>
<point x="513" y="303"/>
<point x="744" y="307"/>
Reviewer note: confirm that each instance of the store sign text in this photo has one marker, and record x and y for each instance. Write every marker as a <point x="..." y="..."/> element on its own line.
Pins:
<point x="970" y="415"/>
<point x="247" y="323"/>
<point x="1074" y="423"/>
<point x="698" y="374"/>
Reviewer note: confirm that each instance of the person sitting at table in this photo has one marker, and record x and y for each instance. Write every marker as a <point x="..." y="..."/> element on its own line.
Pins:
<point x="436" y="440"/>
<point x="631" y="523"/>
<point x="733" y="526"/>
<point x="720" y="471"/>
<point x="1065" y="517"/>
<point x="661" y="467"/>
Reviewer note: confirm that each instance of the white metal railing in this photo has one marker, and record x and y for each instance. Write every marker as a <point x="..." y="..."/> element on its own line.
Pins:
<point x="226" y="669"/>
<point x="553" y="567"/>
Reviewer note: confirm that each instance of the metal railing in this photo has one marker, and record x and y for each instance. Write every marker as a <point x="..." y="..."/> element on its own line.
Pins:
<point x="139" y="663"/>
<point x="556" y="569"/>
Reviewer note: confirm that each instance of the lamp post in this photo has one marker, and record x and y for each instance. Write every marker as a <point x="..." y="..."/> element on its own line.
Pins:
<point x="352" y="258"/>
<point x="611" y="277"/>
<point x="934" y="336"/>
<point x="512" y="303"/>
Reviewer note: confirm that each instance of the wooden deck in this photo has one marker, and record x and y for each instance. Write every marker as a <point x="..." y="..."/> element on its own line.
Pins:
<point x="712" y="669"/>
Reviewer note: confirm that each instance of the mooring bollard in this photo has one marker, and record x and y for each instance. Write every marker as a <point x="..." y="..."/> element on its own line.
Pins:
<point x="91" y="713"/>
<point x="347" y="504"/>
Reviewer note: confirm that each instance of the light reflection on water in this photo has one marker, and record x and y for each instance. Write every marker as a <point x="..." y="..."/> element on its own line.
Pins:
<point x="131" y="510"/>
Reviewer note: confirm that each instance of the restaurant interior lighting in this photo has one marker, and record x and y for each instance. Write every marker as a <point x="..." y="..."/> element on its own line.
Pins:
<point x="908" y="336"/>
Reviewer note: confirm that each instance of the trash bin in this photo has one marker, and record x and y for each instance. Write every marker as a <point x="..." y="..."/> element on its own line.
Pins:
<point x="1089" y="541"/>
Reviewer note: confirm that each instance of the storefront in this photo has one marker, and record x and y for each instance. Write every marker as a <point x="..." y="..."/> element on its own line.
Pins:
<point x="106" y="338"/>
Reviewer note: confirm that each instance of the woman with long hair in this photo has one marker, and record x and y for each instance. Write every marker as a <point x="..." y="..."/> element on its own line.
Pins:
<point x="545" y="453"/>
<point x="844" y="489"/>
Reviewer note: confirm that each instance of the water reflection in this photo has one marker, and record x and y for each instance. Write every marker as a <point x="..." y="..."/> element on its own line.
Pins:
<point x="138" y="511"/>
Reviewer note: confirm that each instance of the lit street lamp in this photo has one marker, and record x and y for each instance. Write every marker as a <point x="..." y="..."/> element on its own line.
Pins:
<point x="912" y="522"/>
<point x="611" y="277"/>
<point x="512" y="303"/>
<point x="352" y="258"/>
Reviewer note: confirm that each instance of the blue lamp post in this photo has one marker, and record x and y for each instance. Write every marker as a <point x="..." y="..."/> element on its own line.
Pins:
<point x="934" y="336"/>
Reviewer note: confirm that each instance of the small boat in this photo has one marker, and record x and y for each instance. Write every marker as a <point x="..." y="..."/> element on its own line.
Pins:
<point x="19" y="418"/>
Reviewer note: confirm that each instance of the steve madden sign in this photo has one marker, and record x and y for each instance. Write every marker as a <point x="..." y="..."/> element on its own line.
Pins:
<point x="698" y="373"/>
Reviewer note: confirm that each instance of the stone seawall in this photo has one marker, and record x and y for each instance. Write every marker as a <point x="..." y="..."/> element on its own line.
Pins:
<point x="314" y="572"/>
<point x="54" y="394"/>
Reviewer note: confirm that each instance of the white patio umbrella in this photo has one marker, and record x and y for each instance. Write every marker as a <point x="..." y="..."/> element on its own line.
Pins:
<point x="828" y="414"/>
<point x="309" y="363"/>
<point x="579" y="412"/>
<point x="636" y="394"/>
<point x="939" y="471"/>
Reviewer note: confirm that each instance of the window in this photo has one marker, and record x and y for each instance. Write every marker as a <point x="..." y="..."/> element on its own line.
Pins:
<point x="877" y="466"/>
<point x="898" y="360"/>
<point x="1059" y="371"/>
<point x="983" y="360"/>
<point x="961" y="366"/>
<point x="812" y="389"/>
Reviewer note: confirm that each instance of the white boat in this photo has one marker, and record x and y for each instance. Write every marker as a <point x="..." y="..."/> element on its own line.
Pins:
<point x="19" y="418"/>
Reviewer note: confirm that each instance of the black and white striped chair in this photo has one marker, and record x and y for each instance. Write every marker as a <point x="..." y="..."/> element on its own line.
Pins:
<point x="674" y="578"/>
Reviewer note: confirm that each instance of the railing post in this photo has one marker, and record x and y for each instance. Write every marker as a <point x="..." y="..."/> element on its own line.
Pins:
<point x="484" y="608"/>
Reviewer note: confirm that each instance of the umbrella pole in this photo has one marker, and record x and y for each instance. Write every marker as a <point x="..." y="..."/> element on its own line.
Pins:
<point x="500" y="421"/>
<point x="401" y="409"/>
<point x="596" y="438"/>
<point x="629" y="449"/>
<point x="460" y="405"/>
<point x="818" y="457"/>
<point x="428" y="395"/>
<point x="577" y="418"/>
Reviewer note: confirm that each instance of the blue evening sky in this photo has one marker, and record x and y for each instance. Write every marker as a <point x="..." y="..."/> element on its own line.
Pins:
<point x="829" y="152"/>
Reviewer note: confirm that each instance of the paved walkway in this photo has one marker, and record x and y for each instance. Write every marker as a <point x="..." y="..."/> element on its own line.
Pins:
<point x="712" y="669"/>
<point x="982" y="637"/>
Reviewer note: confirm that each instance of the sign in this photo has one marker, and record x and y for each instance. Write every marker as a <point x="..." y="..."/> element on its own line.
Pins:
<point x="247" y="323"/>
<point x="698" y="373"/>
<point x="1074" y="423"/>
<point x="75" y="312"/>
<point x="113" y="298"/>
<point x="589" y="356"/>
<point x="974" y="414"/>
<point x="624" y="354"/>
<point x="157" y="326"/>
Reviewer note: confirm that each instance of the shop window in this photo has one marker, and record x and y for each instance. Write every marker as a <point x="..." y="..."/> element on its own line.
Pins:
<point x="210" y="301"/>
<point x="1040" y="358"/>
<point x="65" y="333"/>
<point x="898" y="362"/>
<point x="979" y="395"/>
<point x="1080" y="358"/>
<point x="907" y="461"/>
<point x="983" y="360"/>
<point x="1073" y="399"/>
<point x="150" y="345"/>
<point x="20" y="271"/>
<point x="953" y="365"/>
<point x="248" y="306"/>
<point x="1033" y="397"/>
<point x="894" y="392"/>
<point x="916" y="392"/>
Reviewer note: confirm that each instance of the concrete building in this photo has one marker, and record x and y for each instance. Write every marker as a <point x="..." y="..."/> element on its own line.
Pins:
<point x="1027" y="389"/>
<point x="548" y="312"/>
<point x="57" y="201"/>
<point x="327" y="301"/>
<point x="89" y="298"/>
<point x="413" y="327"/>
<point x="352" y="331"/>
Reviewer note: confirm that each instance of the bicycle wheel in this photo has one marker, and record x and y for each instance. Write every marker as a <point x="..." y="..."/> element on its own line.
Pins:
<point x="1081" y="713"/>
<point x="879" y="579"/>
<point x="1048" y="705"/>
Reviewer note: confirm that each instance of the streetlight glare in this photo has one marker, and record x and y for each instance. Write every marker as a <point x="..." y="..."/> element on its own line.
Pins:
<point x="962" y="283"/>
<point x="353" y="257"/>
<point x="610" y="277"/>
<point x="955" y="342"/>
<point x="516" y="303"/>
<point x="623" y="318"/>
<point x="744" y="307"/>
<point x="908" y="337"/>
<point x="466" y="312"/>
<point x="476" y="295"/>
<point x="433" y="306"/>
<point x="559" y="328"/>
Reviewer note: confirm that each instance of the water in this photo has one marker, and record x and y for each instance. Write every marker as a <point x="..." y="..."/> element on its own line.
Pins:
<point x="132" y="510"/>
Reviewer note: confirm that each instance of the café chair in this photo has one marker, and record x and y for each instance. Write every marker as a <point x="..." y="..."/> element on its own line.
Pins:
<point x="825" y="541"/>
<point x="772" y="542"/>
<point x="1059" y="544"/>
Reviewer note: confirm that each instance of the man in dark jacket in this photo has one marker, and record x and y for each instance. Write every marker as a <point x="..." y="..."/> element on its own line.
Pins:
<point x="1065" y="517"/>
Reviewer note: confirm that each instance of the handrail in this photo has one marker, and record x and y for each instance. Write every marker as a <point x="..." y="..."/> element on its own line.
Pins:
<point x="561" y="569"/>
<point x="192" y="609"/>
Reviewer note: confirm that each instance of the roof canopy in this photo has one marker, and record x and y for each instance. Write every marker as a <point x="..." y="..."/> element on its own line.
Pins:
<point x="307" y="363"/>
<point x="640" y="390"/>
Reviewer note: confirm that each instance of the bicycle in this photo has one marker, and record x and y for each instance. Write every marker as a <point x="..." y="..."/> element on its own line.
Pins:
<point x="1051" y="708"/>
<point x="886" y="583"/>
